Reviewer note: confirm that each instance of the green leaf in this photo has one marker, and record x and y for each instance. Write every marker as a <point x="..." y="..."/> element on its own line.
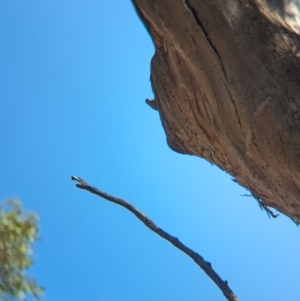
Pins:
<point x="18" y="232"/>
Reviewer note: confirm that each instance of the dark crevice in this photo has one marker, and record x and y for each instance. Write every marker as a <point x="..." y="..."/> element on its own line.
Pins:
<point x="205" y="33"/>
<point x="194" y="14"/>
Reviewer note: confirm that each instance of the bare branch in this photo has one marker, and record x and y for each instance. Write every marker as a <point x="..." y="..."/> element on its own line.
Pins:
<point x="204" y="265"/>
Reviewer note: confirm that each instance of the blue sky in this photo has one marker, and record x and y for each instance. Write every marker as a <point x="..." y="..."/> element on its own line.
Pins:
<point x="74" y="79"/>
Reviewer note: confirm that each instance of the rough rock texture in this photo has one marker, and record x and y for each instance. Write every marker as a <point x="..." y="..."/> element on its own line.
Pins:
<point x="226" y="80"/>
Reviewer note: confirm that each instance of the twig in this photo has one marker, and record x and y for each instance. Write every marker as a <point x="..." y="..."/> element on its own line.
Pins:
<point x="204" y="265"/>
<point x="263" y="206"/>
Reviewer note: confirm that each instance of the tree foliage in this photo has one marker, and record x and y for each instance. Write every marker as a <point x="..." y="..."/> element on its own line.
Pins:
<point x="18" y="232"/>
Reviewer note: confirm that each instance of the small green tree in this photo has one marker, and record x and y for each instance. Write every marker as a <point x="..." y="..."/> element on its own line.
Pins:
<point x="18" y="231"/>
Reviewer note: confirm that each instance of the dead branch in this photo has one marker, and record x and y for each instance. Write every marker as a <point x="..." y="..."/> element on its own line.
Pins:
<point x="204" y="265"/>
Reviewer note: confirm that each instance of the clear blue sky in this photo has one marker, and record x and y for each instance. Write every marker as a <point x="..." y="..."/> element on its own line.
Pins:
<point x="74" y="78"/>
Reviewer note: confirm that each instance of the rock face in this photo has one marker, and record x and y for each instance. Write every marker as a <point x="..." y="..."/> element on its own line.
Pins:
<point x="226" y="80"/>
